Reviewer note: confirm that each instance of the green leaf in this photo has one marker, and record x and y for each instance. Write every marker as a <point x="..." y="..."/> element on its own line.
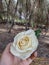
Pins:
<point x="37" y="32"/>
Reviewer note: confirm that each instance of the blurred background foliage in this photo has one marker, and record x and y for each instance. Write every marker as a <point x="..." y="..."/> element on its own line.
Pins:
<point x="34" y="13"/>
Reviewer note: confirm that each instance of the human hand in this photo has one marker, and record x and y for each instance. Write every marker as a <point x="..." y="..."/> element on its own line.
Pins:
<point x="8" y="59"/>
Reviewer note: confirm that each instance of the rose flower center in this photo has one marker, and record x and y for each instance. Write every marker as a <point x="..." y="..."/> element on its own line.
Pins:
<point x="23" y="43"/>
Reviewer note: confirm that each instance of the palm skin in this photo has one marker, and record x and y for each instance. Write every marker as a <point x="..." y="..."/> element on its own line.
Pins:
<point x="8" y="59"/>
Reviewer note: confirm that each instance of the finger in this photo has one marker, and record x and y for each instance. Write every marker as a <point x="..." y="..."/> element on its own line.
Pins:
<point x="29" y="60"/>
<point x="7" y="49"/>
<point x="16" y="60"/>
<point x="26" y="61"/>
<point x="33" y="56"/>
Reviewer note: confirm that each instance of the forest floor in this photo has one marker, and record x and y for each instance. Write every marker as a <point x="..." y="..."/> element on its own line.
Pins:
<point x="43" y="48"/>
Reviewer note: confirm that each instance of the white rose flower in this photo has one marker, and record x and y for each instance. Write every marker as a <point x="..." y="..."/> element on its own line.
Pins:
<point x="25" y="43"/>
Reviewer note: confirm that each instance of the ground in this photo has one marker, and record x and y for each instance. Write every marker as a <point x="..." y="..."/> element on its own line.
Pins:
<point x="43" y="48"/>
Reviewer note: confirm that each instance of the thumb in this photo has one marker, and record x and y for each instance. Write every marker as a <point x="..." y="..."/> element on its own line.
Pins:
<point x="7" y="49"/>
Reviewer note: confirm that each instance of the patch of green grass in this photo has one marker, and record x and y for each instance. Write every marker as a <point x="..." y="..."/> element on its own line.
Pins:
<point x="20" y="21"/>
